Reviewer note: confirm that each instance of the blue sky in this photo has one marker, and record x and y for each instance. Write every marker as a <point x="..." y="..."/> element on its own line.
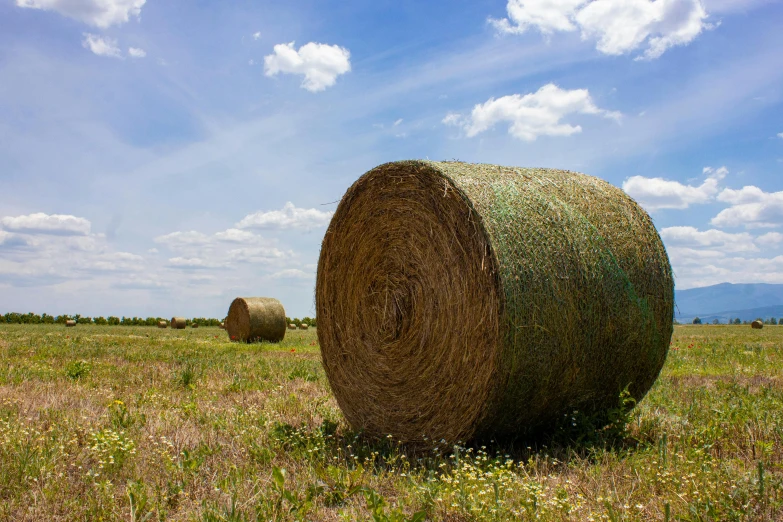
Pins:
<point x="161" y="158"/>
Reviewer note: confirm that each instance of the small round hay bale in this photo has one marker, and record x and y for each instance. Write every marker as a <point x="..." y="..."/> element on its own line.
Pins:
<point x="460" y="301"/>
<point x="252" y="319"/>
<point x="178" y="323"/>
<point x="222" y="326"/>
<point x="303" y="326"/>
<point x="292" y="326"/>
<point x="162" y="324"/>
<point x="194" y="325"/>
<point x="70" y="322"/>
<point x="758" y="325"/>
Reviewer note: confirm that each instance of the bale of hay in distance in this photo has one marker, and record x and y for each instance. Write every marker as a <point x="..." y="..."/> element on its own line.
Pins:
<point x="194" y="325"/>
<point x="303" y="326"/>
<point x="460" y="301"/>
<point x="162" y="324"/>
<point x="758" y="325"/>
<point x="253" y="319"/>
<point x="70" y="322"/>
<point x="292" y="326"/>
<point x="222" y="326"/>
<point x="178" y="323"/>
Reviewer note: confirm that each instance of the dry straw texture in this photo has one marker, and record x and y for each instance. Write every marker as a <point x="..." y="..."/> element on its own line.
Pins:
<point x="459" y="301"/>
<point x="70" y="322"/>
<point x="252" y="319"/>
<point x="178" y="323"/>
<point x="758" y="325"/>
<point x="162" y="324"/>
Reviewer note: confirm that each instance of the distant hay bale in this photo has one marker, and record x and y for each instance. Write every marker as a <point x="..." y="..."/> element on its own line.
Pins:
<point x="292" y="326"/>
<point x="758" y="325"/>
<point x="303" y="326"/>
<point x="222" y="326"/>
<point x="162" y="324"/>
<point x="70" y="322"/>
<point x="253" y="319"/>
<point x="194" y="325"/>
<point x="459" y="301"/>
<point x="178" y="323"/>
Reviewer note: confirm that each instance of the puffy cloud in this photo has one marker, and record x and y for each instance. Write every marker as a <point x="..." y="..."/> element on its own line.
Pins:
<point x="258" y="255"/>
<point x="692" y="237"/>
<point x="40" y="223"/>
<point x="770" y="239"/>
<point x="289" y="217"/>
<point x="101" y="46"/>
<point x="658" y="193"/>
<point x="320" y="64"/>
<point x="532" y="115"/>
<point x="619" y="26"/>
<point x="182" y="239"/>
<point x="780" y="135"/>
<point x="193" y="263"/>
<point x="9" y="240"/>
<point x="750" y="207"/>
<point x="135" y="52"/>
<point x="100" y="13"/>
<point x="256" y="35"/>
<point x="293" y="273"/>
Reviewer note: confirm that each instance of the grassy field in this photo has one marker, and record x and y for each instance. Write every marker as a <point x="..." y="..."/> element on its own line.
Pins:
<point x="141" y="424"/>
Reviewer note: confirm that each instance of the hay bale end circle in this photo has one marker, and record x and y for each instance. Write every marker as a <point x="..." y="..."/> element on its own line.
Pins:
<point x="758" y="325"/>
<point x="459" y="301"/>
<point x="252" y="319"/>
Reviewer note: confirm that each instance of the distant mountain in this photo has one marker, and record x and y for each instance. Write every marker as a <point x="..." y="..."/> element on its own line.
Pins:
<point x="728" y="299"/>
<point x="744" y="315"/>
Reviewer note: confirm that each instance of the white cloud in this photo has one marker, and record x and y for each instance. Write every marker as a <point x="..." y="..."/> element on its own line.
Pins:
<point x="780" y="135"/>
<point x="320" y="64"/>
<point x="40" y="223"/>
<point x="258" y="255"/>
<point x="532" y="115"/>
<point x="293" y="273"/>
<point x="181" y="239"/>
<point x="396" y="123"/>
<point x="256" y="35"/>
<point x="100" y="13"/>
<point x="289" y="217"/>
<point x="101" y="46"/>
<point x="659" y="193"/>
<point x="619" y="26"/>
<point x="135" y="52"/>
<point x="691" y="237"/>
<point x="750" y="207"/>
<point x="193" y="263"/>
<point x="770" y="239"/>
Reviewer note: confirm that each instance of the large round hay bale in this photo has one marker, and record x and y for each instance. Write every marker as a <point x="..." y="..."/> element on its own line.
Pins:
<point x="70" y="322"/>
<point x="162" y="324"/>
<point x="178" y="323"/>
<point x="252" y="319"/>
<point x="460" y="301"/>
<point x="758" y="325"/>
<point x="303" y="326"/>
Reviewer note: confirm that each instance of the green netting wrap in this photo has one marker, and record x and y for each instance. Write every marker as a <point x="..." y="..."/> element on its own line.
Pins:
<point x="458" y="300"/>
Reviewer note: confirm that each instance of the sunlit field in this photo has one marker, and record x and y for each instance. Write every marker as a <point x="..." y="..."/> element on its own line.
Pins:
<point x="138" y="423"/>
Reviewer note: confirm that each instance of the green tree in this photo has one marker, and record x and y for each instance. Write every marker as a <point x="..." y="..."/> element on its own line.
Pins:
<point x="696" y="320"/>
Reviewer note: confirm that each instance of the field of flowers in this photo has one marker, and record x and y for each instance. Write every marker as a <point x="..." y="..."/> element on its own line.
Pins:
<point x="141" y="424"/>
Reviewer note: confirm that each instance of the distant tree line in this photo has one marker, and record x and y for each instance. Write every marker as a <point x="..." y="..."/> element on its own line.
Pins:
<point x="737" y="320"/>
<point x="31" y="318"/>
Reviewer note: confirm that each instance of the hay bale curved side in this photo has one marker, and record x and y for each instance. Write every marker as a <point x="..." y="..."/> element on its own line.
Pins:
<point x="459" y="301"/>
<point x="303" y="326"/>
<point x="69" y="323"/>
<point x="162" y="324"/>
<point x="292" y="326"/>
<point x="758" y="325"/>
<point x="178" y="323"/>
<point x="252" y="319"/>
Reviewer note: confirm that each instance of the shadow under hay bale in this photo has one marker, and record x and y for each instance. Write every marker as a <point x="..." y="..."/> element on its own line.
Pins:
<point x="758" y="325"/>
<point x="460" y="301"/>
<point x="162" y="324"/>
<point x="178" y="323"/>
<point x="252" y="319"/>
<point x="70" y="322"/>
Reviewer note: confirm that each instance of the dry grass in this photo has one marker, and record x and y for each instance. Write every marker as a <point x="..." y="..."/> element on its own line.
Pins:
<point x="184" y="424"/>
